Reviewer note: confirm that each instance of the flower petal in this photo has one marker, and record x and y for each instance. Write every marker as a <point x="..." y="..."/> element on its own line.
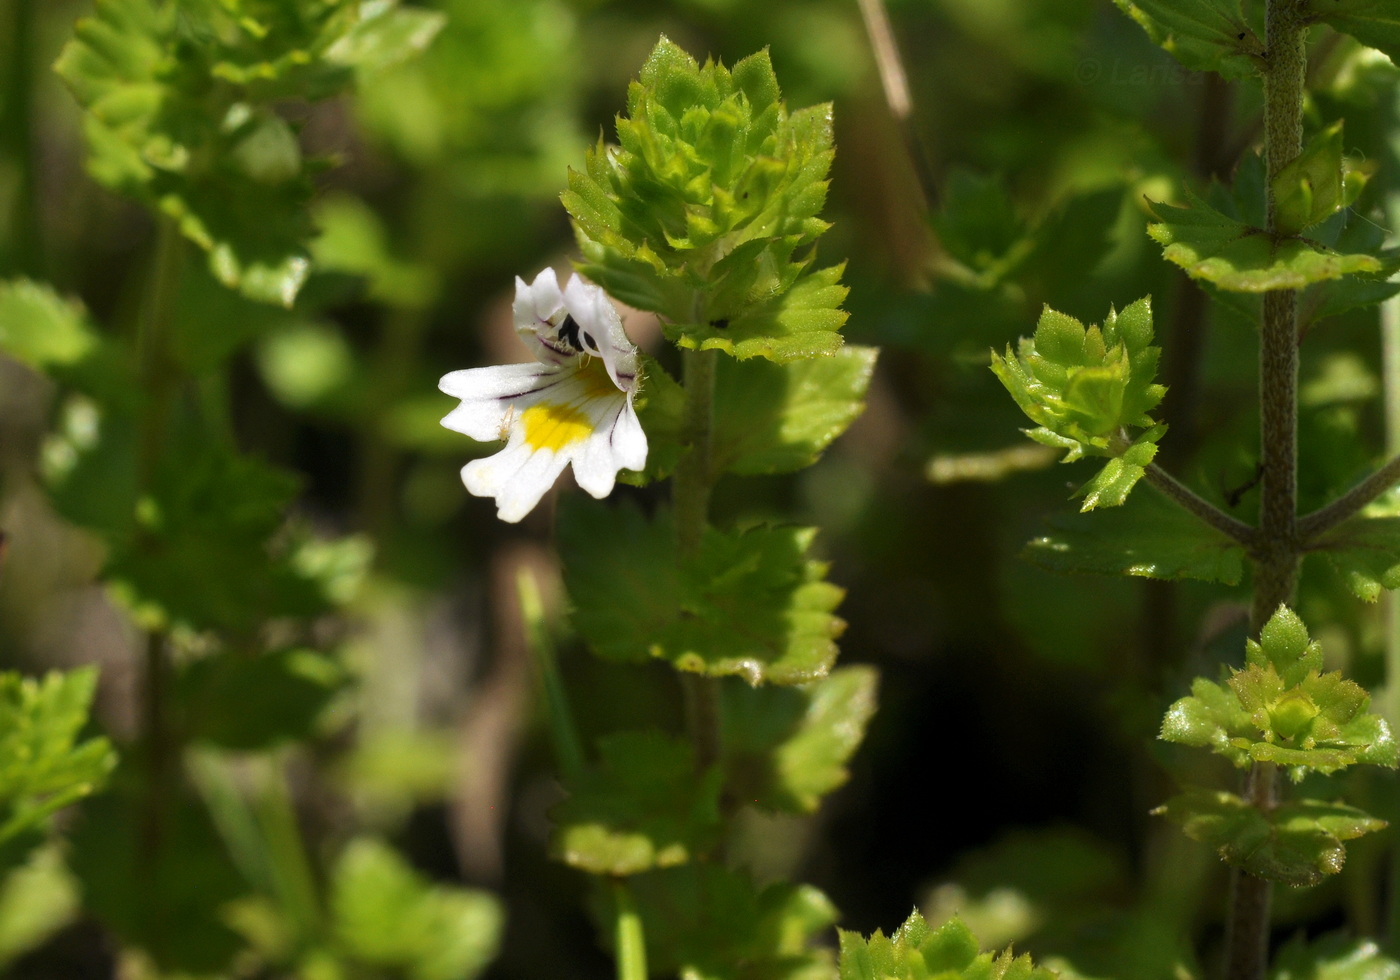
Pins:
<point x="488" y="395"/>
<point x="537" y="308"/>
<point x="601" y="332"/>
<point x="517" y="477"/>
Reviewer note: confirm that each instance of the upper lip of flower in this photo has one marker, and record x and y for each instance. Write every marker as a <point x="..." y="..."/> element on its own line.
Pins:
<point x="558" y="412"/>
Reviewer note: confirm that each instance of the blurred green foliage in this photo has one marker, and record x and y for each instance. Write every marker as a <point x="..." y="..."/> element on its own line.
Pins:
<point x="1047" y="124"/>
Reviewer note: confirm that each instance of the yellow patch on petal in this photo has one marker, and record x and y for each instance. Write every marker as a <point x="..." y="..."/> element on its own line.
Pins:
<point x="550" y="425"/>
<point x="554" y="426"/>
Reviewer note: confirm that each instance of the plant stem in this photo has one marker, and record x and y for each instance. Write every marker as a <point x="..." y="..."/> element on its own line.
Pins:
<point x="158" y="370"/>
<point x="631" y="941"/>
<point x="1325" y="518"/>
<point x="1390" y="373"/>
<point x="896" y="88"/>
<point x="567" y="744"/>
<point x="690" y="497"/>
<point x="25" y="244"/>
<point x="1277" y="549"/>
<point x="1181" y="494"/>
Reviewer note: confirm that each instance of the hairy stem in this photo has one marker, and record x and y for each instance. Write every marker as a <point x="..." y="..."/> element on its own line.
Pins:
<point x="1277" y="550"/>
<point x="690" y="496"/>
<point x="1183" y="495"/>
<point x="1325" y="518"/>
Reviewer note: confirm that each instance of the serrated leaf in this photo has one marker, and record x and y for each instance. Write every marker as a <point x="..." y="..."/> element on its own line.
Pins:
<point x="40" y="328"/>
<point x="178" y="116"/>
<point x="1233" y="255"/>
<point x="1335" y="957"/>
<point x="1085" y="387"/>
<point x="44" y="766"/>
<point x="1297" y="843"/>
<point x="1281" y="709"/>
<point x="777" y="418"/>
<point x="1110" y="488"/>
<point x="1375" y="23"/>
<point x="918" y="952"/>
<point x="169" y="900"/>
<point x="1204" y="35"/>
<point x="802" y="322"/>
<point x="1147" y="537"/>
<point x="211" y="516"/>
<point x="708" y="922"/>
<point x="787" y="747"/>
<point x="750" y="604"/>
<point x="643" y="806"/>
<point x="1365" y="552"/>
<point x="707" y="210"/>
<point x="388" y="915"/>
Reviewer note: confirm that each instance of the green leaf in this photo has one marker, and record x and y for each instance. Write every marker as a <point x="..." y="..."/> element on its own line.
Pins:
<point x="1280" y="708"/>
<point x="290" y="688"/>
<point x="1297" y="843"/>
<point x="1149" y="537"/>
<point x="660" y="405"/>
<point x="643" y="806"/>
<point x="1204" y="35"/>
<point x="178" y="114"/>
<point x="802" y="322"/>
<point x="917" y="952"/>
<point x="40" y="328"/>
<point x="36" y="901"/>
<point x="708" y="922"/>
<point x="979" y="228"/>
<point x="386" y="36"/>
<point x="751" y="603"/>
<point x="43" y="764"/>
<point x="353" y="239"/>
<point x="211" y="517"/>
<point x="1375" y="23"/>
<point x="1233" y="255"/>
<point x="777" y="418"/>
<point x="707" y="211"/>
<point x="168" y="900"/>
<point x="1085" y="387"/>
<point x="1365" y="552"/>
<point x="1314" y="185"/>
<point x="1335" y="957"/>
<point x="787" y="747"/>
<point x="1110" y="488"/>
<point x="388" y="915"/>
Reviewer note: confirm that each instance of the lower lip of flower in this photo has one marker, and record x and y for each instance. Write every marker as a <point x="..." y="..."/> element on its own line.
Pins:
<point x="554" y="427"/>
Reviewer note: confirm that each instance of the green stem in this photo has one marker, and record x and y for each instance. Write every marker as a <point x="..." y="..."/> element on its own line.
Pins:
<point x="1277" y="549"/>
<point x="1325" y="518"/>
<point x="159" y="371"/>
<point x="1390" y="356"/>
<point x="690" y="497"/>
<point x="1183" y="495"/>
<point x="631" y="940"/>
<point x="159" y="380"/>
<point x="17" y="141"/>
<point x="567" y="744"/>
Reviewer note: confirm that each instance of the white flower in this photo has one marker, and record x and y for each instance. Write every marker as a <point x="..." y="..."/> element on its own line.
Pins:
<point x="574" y="406"/>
